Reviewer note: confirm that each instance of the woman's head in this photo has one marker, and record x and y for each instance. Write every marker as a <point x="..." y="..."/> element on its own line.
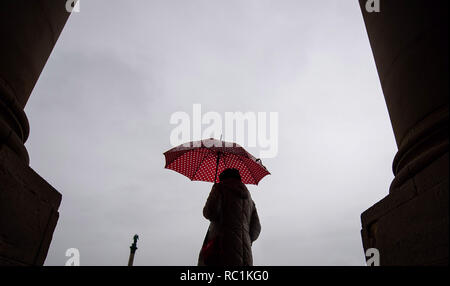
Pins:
<point x="230" y="173"/>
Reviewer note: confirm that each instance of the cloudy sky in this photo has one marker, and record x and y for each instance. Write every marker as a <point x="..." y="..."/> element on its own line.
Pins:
<point x="100" y="121"/>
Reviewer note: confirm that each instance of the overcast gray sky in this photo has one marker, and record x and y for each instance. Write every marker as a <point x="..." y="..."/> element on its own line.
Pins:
<point x="100" y="121"/>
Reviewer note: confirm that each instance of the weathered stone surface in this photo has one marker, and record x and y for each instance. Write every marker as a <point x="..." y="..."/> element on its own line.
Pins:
<point x="29" y="30"/>
<point x="409" y="41"/>
<point x="28" y="211"/>
<point x="28" y="204"/>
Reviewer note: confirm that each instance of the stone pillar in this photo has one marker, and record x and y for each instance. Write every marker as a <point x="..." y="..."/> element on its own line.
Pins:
<point x="409" y="40"/>
<point x="28" y="204"/>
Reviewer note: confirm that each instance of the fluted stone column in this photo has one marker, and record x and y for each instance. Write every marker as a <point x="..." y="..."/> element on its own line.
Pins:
<point x="28" y="204"/>
<point x="409" y="40"/>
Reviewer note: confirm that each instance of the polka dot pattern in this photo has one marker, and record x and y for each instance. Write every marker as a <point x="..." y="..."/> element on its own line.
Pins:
<point x="198" y="161"/>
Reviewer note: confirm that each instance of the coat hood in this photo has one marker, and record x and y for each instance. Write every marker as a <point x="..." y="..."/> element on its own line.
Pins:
<point x="235" y="186"/>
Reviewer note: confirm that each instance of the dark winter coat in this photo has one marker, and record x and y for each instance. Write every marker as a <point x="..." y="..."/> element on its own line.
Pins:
<point x="234" y="219"/>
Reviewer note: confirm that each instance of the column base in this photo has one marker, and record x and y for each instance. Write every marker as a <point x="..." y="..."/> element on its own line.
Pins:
<point x="28" y="212"/>
<point x="410" y="225"/>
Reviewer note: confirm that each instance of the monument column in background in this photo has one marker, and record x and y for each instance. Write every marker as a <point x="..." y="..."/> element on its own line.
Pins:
<point x="133" y="249"/>
<point x="409" y="41"/>
<point x="28" y="204"/>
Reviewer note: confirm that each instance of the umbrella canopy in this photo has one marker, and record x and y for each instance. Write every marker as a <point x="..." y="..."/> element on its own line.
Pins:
<point x="204" y="160"/>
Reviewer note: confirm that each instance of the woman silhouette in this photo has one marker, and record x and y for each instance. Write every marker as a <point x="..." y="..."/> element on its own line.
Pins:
<point x="234" y="223"/>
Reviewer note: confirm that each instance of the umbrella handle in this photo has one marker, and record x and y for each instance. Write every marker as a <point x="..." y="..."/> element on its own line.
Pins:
<point x="217" y="166"/>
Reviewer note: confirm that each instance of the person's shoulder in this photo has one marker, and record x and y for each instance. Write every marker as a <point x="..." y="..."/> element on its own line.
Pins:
<point x="217" y="187"/>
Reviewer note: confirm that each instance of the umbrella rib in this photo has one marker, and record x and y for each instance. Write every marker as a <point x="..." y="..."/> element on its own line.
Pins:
<point x="248" y="168"/>
<point x="224" y="162"/>
<point x="171" y="162"/>
<point x="203" y="159"/>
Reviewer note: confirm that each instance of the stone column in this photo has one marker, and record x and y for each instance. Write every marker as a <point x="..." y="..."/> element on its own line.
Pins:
<point x="409" y="40"/>
<point x="133" y="249"/>
<point x="28" y="204"/>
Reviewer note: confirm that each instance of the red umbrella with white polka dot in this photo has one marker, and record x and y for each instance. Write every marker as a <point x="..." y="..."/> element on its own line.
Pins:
<point x="203" y="160"/>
